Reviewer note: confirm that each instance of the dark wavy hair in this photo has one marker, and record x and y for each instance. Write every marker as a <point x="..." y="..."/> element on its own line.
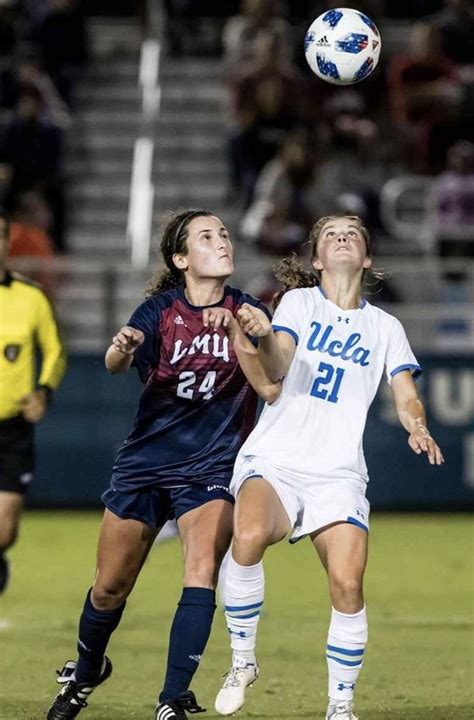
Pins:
<point x="290" y="271"/>
<point x="173" y="242"/>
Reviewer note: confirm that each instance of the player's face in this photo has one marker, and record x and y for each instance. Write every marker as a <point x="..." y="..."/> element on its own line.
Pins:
<point x="210" y="252"/>
<point x="341" y="244"/>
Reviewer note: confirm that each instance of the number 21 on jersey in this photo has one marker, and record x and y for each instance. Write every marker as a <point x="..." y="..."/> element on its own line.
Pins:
<point x="326" y="386"/>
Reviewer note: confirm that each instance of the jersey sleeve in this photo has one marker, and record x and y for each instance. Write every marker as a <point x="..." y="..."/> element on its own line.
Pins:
<point x="400" y="356"/>
<point x="53" y="355"/>
<point x="147" y="318"/>
<point x="289" y="315"/>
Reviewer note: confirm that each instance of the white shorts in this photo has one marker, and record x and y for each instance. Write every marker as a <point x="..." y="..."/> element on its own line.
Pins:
<point x="311" y="505"/>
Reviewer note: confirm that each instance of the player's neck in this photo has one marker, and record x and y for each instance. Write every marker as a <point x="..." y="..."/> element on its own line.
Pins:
<point x="204" y="293"/>
<point x="342" y="290"/>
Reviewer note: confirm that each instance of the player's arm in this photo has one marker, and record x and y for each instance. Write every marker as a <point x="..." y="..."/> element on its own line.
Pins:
<point x="53" y="362"/>
<point x="119" y="355"/>
<point x="411" y="414"/>
<point x="246" y="352"/>
<point x="275" y="350"/>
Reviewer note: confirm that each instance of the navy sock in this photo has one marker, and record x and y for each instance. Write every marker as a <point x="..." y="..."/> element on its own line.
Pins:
<point x="189" y="635"/>
<point x="95" y="629"/>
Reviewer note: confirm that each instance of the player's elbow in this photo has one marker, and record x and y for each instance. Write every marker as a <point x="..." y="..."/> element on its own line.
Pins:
<point x="270" y="393"/>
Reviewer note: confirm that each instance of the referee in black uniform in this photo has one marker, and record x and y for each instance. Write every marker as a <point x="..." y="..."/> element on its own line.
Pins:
<point x="27" y="325"/>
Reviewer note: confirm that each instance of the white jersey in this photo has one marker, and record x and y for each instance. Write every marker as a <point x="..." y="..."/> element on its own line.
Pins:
<point x="316" y="426"/>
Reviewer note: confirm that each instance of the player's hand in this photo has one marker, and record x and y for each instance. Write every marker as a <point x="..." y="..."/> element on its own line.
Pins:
<point x="253" y="321"/>
<point x="33" y="406"/>
<point x="219" y="317"/>
<point x="127" y="340"/>
<point x="420" y="441"/>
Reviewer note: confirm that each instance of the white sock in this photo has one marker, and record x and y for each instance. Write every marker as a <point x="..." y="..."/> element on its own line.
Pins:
<point x="347" y="638"/>
<point x="244" y="590"/>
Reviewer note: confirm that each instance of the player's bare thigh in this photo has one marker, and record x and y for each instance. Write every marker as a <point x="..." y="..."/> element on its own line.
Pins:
<point x="11" y="505"/>
<point x="260" y="520"/>
<point x="342" y="548"/>
<point x="205" y="532"/>
<point x="123" y="547"/>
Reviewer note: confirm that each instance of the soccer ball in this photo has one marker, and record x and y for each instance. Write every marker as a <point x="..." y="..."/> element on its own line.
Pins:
<point x="342" y="46"/>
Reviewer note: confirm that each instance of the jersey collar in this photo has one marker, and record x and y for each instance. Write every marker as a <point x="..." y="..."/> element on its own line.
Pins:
<point x="363" y="302"/>
<point x="202" y="307"/>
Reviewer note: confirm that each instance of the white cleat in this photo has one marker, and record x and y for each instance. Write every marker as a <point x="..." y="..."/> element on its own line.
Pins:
<point x="340" y="711"/>
<point x="231" y="696"/>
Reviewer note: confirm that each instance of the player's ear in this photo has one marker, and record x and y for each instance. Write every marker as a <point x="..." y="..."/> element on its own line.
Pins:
<point x="180" y="261"/>
<point x="367" y="263"/>
<point x="317" y="264"/>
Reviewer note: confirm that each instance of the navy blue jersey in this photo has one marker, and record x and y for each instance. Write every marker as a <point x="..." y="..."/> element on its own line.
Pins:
<point x="197" y="407"/>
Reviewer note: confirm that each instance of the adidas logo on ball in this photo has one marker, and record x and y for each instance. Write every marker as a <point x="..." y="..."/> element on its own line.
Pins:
<point x="323" y="42"/>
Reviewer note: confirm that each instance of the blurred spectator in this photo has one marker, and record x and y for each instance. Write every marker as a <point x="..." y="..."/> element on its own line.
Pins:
<point x="451" y="214"/>
<point x="451" y="203"/>
<point x="456" y="26"/>
<point x="8" y="28"/>
<point x="412" y="9"/>
<point x="425" y="97"/>
<point x="287" y="198"/>
<point x="353" y="172"/>
<point x="23" y="76"/>
<point x="32" y="149"/>
<point x="61" y="37"/>
<point x="29" y="228"/>
<point x="268" y="101"/>
<point x="241" y="32"/>
<point x="196" y="27"/>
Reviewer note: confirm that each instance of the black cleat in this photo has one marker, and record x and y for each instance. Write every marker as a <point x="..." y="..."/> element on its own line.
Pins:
<point x="176" y="709"/>
<point x="71" y="699"/>
<point x="4" y="573"/>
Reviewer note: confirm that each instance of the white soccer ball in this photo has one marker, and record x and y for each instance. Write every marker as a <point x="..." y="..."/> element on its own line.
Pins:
<point x="342" y="46"/>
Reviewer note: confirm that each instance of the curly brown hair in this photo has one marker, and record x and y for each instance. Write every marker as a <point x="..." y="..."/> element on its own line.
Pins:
<point x="290" y="271"/>
<point x="173" y="242"/>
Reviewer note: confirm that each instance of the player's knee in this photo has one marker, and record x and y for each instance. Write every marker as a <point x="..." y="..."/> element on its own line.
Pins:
<point x="108" y="596"/>
<point x="346" y="588"/>
<point x="8" y="534"/>
<point x="250" y="539"/>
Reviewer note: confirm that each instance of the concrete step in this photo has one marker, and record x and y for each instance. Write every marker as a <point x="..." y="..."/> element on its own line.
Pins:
<point x="106" y="118"/>
<point x="101" y="220"/>
<point x="197" y="92"/>
<point x="114" y="37"/>
<point x="111" y="97"/>
<point x="196" y="69"/>
<point x="81" y="169"/>
<point x="171" y="122"/>
<point x="187" y="167"/>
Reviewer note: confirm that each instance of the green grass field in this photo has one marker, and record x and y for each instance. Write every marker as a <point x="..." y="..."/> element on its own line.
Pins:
<point x="419" y="594"/>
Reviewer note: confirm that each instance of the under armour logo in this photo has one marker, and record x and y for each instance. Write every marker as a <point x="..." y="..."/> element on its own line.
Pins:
<point x="240" y="634"/>
<point x="179" y="320"/>
<point x="344" y="686"/>
<point x="340" y="319"/>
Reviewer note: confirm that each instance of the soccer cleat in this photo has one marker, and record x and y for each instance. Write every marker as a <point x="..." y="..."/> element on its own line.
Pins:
<point x="175" y="709"/>
<point x="4" y="573"/>
<point x="340" y="711"/>
<point x="231" y="696"/>
<point x="71" y="699"/>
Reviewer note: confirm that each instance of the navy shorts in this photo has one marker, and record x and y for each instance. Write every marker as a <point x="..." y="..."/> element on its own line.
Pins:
<point x="155" y="505"/>
<point x="16" y="454"/>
